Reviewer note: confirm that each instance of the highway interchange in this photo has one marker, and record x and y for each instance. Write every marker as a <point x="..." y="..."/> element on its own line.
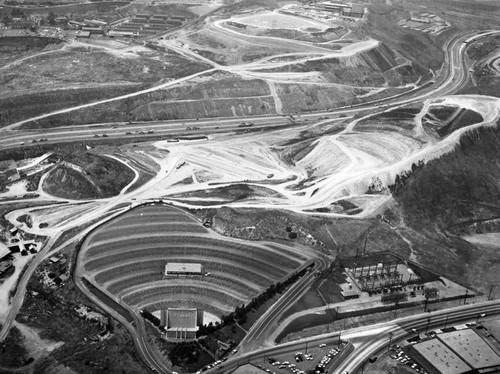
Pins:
<point x="452" y="77"/>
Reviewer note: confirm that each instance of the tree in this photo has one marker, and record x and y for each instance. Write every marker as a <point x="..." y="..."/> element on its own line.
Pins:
<point x="51" y="19"/>
<point x="6" y="19"/>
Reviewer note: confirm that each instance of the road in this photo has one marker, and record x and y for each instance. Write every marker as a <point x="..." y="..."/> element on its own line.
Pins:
<point x="374" y="338"/>
<point x="257" y="336"/>
<point x="453" y="76"/>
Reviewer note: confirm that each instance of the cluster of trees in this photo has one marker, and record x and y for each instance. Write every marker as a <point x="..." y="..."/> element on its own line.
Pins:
<point x="376" y="186"/>
<point x="240" y="313"/>
<point x="402" y="179"/>
<point x="151" y="318"/>
<point x="18" y="13"/>
<point x="184" y="353"/>
<point x="291" y="234"/>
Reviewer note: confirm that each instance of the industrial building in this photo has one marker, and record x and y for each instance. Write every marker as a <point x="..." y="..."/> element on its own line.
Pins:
<point x="180" y="323"/>
<point x="332" y="7"/>
<point x="149" y="24"/>
<point x="356" y="10"/>
<point x="455" y="352"/>
<point x="182" y="269"/>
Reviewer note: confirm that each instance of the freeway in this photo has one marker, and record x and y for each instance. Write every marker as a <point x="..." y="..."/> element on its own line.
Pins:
<point x="401" y="328"/>
<point x="451" y="78"/>
<point x="373" y="338"/>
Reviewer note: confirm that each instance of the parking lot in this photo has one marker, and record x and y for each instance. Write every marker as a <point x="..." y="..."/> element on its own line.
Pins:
<point x="319" y="358"/>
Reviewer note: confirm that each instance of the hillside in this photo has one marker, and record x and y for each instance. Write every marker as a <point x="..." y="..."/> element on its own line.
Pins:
<point x="455" y="195"/>
<point x="85" y="175"/>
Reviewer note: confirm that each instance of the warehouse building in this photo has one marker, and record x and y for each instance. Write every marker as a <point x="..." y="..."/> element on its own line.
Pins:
<point x="332" y="7"/>
<point x="471" y="348"/>
<point x="437" y="358"/>
<point x="182" y="269"/>
<point x="456" y="352"/>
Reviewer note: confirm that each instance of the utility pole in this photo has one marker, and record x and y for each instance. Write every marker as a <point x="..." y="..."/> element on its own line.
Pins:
<point x="390" y="341"/>
<point x="428" y="323"/>
<point x="491" y="290"/>
<point x="366" y="240"/>
<point x="465" y="297"/>
<point x="446" y="321"/>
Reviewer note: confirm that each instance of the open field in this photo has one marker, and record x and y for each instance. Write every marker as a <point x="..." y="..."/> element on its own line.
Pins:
<point x="275" y="20"/>
<point x="127" y="256"/>
<point x="62" y="77"/>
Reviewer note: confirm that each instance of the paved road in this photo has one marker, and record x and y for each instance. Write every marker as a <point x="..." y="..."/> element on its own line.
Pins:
<point x="374" y="338"/>
<point x="452" y="77"/>
<point x="257" y="336"/>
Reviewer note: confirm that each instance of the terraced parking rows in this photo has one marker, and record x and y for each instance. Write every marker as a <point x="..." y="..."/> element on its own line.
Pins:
<point x="127" y="257"/>
<point x="218" y="299"/>
<point x="172" y="241"/>
<point x="193" y="254"/>
<point x="259" y="278"/>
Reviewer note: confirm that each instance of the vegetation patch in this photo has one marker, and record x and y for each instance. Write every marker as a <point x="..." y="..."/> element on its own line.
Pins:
<point x="12" y="351"/>
<point x="89" y="345"/>
<point x="446" y="197"/>
<point x="85" y="175"/>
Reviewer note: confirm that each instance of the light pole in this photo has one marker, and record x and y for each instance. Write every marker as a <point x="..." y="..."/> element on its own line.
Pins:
<point x="491" y="290"/>
<point x="390" y="342"/>
<point x="481" y="315"/>
<point x="428" y="323"/>
<point x="446" y="321"/>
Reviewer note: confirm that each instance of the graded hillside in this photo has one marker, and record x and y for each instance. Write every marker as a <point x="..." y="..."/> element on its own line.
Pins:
<point x="423" y="50"/>
<point x="77" y="74"/>
<point x="127" y="257"/>
<point x="375" y="67"/>
<point x="85" y="176"/>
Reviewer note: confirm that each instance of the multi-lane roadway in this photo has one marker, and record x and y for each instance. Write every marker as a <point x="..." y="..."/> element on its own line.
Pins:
<point x="452" y="77"/>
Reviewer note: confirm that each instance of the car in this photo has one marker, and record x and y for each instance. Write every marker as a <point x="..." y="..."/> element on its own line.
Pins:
<point x="323" y="345"/>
